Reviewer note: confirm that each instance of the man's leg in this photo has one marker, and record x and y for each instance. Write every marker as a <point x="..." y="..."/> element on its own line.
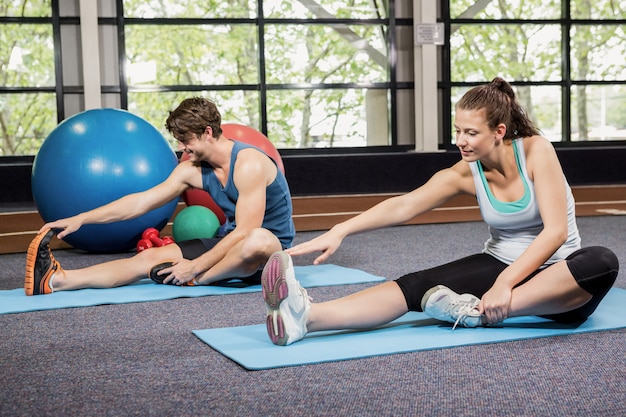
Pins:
<point x="244" y="259"/>
<point x="45" y="275"/>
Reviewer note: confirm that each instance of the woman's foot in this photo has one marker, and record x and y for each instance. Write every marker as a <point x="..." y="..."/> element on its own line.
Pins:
<point x="443" y="304"/>
<point x="287" y="303"/>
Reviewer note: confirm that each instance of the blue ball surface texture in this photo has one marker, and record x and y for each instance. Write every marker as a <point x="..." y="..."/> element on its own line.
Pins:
<point x="93" y="158"/>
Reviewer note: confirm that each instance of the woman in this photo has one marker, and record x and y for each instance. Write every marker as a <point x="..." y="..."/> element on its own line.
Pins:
<point x="532" y="264"/>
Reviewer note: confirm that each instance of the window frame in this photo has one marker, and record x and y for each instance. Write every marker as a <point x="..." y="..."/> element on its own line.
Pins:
<point x="567" y="83"/>
<point x="393" y="86"/>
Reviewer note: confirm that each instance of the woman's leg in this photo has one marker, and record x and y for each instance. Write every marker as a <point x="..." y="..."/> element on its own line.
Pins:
<point x="451" y="292"/>
<point x="364" y="309"/>
<point x="386" y="302"/>
<point x="569" y="290"/>
<point x="553" y="290"/>
<point x="474" y="274"/>
<point x="291" y="315"/>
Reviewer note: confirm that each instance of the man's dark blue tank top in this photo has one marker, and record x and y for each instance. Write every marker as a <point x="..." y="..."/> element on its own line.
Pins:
<point x="278" y="208"/>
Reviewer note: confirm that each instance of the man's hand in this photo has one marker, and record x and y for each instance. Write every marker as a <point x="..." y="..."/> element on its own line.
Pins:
<point x="66" y="226"/>
<point x="181" y="272"/>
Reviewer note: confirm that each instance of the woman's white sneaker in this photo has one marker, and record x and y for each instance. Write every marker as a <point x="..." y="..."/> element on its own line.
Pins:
<point x="287" y="303"/>
<point x="442" y="303"/>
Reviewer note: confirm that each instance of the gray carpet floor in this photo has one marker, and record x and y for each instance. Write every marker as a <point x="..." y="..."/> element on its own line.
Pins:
<point x="142" y="359"/>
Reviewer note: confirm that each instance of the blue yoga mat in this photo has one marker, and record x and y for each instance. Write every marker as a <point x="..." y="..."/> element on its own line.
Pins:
<point x="15" y="301"/>
<point x="250" y="346"/>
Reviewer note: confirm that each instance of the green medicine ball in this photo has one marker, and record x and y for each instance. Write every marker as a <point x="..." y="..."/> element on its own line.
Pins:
<point x="195" y="222"/>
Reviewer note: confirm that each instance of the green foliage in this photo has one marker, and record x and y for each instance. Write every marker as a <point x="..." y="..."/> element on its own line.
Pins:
<point x="189" y="8"/>
<point x="25" y="8"/>
<point x="505" y="9"/>
<point x="532" y="52"/>
<point x="223" y="59"/>
<point x="227" y="55"/>
<point x="512" y="51"/>
<point x="598" y="9"/>
<point x="26" y="60"/>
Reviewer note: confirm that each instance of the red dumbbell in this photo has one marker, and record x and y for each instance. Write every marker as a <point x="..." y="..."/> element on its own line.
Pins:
<point x="151" y="238"/>
<point x="144" y="244"/>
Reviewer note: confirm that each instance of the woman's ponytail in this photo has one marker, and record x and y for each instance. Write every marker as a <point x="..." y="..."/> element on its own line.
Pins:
<point x="501" y="106"/>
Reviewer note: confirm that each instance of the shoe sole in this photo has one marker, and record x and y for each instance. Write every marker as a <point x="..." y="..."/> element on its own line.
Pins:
<point x="158" y="279"/>
<point x="154" y="272"/>
<point x="275" y="290"/>
<point x="31" y="260"/>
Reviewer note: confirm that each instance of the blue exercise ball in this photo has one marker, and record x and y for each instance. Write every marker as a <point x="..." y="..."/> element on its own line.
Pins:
<point x="93" y="158"/>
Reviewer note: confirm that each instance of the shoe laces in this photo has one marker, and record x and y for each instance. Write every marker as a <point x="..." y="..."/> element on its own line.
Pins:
<point x="461" y="309"/>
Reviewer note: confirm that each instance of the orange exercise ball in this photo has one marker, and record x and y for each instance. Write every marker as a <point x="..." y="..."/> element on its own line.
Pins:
<point x="251" y="136"/>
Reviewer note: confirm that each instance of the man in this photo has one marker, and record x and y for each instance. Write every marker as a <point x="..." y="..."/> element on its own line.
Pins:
<point x="242" y="180"/>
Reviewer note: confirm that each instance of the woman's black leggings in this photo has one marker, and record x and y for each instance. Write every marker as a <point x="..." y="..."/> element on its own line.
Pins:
<point x="595" y="269"/>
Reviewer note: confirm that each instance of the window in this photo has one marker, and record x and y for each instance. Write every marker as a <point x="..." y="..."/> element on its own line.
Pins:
<point x="312" y="74"/>
<point x="316" y="76"/>
<point x="568" y="66"/>
<point x="27" y="96"/>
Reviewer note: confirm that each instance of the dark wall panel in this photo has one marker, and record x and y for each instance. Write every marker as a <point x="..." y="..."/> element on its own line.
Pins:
<point x="401" y="172"/>
<point x="364" y="173"/>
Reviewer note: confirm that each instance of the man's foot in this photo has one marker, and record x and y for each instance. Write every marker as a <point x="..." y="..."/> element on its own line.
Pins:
<point x="154" y="274"/>
<point x="40" y="265"/>
<point x="444" y="304"/>
<point x="286" y="301"/>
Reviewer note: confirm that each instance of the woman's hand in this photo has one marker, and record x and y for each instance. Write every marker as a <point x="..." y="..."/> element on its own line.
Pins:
<point x="496" y="303"/>
<point x="326" y="243"/>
